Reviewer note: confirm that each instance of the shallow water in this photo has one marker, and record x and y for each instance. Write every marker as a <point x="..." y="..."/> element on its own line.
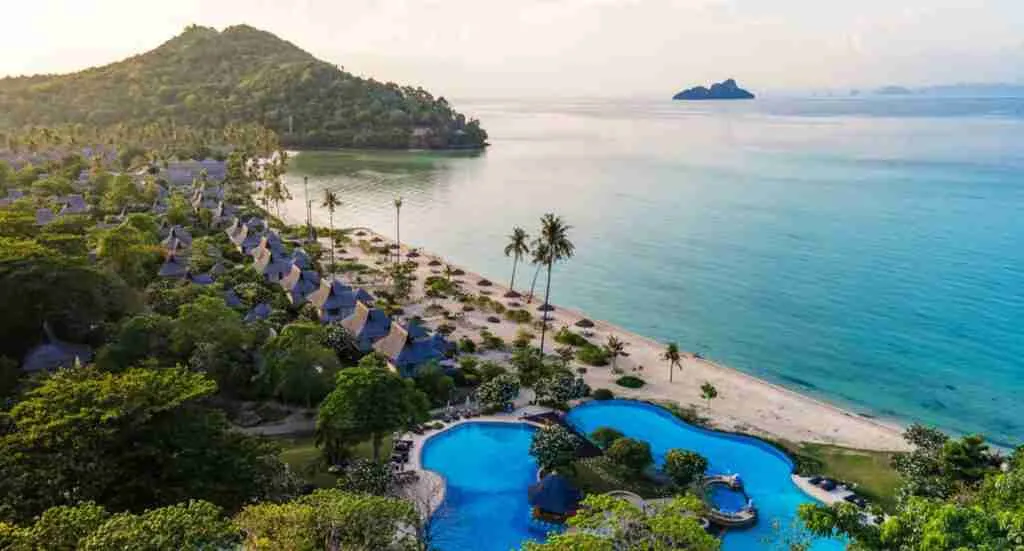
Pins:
<point x="765" y="471"/>
<point x="865" y="251"/>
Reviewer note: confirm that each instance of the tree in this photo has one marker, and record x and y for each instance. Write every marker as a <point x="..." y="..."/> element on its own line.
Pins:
<point x="76" y="300"/>
<point x="128" y="441"/>
<point x="496" y="393"/>
<point x="121" y="193"/>
<point x="708" y="392"/>
<point x="604" y="437"/>
<point x="398" y="229"/>
<point x="607" y="523"/>
<point x="298" y="368"/>
<point x="192" y="525"/>
<point x="367" y="403"/>
<point x="518" y="245"/>
<point x="138" y="338"/>
<point x="684" y="467"/>
<point x="178" y="210"/>
<point x="554" y="448"/>
<point x="630" y="454"/>
<point x="558" y="389"/>
<point x="942" y="505"/>
<point x="615" y="348"/>
<point x="557" y="247"/>
<point x="130" y="253"/>
<point x="363" y="476"/>
<point x="566" y="354"/>
<point x="331" y="203"/>
<point x="673" y="358"/>
<point x="207" y="319"/>
<point x="435" y="384"/>
<point x="329" y="520"/>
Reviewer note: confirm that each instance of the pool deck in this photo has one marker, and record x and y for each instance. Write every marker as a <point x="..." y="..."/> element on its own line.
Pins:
<point x="820" y="494"/>
<point x="428" y="492"/>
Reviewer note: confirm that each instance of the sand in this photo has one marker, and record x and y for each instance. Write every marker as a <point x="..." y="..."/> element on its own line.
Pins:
<point x="744" y="403"/>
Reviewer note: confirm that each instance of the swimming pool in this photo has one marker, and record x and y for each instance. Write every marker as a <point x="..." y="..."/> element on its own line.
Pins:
<point x="488" y="468"/>
<point x="765" y="470"/>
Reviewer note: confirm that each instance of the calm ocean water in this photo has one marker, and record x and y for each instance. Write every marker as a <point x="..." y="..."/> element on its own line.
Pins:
<point x="867" y="251"/>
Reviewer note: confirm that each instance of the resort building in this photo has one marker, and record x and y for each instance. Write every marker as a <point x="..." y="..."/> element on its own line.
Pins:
<point x="406" y="353"/>
<point x="299" y="283"/>
<point x="336" y="301"/>
<point x="173" y="267"/>
<point x="367" y="325"/>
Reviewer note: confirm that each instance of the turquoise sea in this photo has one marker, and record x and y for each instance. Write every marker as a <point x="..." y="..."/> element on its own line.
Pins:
<point x="867" y="251"/>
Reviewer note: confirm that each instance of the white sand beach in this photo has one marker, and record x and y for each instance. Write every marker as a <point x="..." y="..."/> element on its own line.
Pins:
<point x="744" y="403"/>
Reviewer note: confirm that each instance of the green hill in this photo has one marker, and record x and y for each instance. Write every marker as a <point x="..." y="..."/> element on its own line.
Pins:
<point x="209" y="79"/>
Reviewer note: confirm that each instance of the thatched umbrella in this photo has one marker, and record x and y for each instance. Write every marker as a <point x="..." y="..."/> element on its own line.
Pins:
<point x="585" y="323"/>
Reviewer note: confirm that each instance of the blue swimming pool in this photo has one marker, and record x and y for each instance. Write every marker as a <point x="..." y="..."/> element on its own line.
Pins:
<point x="765" y="470"/>
<point x="488" y="469"/>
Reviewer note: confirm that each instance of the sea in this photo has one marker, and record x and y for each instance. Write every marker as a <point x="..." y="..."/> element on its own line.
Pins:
<point x="868" y="251"/>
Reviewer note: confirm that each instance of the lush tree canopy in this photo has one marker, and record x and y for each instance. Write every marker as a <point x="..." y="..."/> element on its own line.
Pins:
<point x="208" y="79"/>
<point x="127" y="441"/>
<point x="606" y="523"/>
<point x="367" y="403"/>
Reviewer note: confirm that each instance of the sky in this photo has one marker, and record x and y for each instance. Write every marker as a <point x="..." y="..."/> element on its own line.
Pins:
<point x="628" y="48"/>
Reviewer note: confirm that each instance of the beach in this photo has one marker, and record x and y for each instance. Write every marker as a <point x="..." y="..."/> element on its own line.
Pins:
<point x="744" y="404"/>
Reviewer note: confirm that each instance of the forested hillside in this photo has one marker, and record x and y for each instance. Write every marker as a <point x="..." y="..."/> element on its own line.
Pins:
<point x="209" y="79"/>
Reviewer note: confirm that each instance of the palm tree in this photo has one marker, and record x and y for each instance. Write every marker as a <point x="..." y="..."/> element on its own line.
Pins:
<point x="554" y="233"/>
<point x="673" y="358"/>
<point x="398" y="228"/>
<point x="540" y="254"/>
<point x="331" y="203"/>
<point x="615" y="348"/>
<point x="516" y="248"/>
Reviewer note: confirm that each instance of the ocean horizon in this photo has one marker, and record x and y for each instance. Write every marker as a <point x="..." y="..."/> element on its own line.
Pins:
<point x="865" y="251"/>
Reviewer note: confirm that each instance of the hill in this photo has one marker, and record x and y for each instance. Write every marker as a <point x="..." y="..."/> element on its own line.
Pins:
<point x="727" y="89"/>
<point x="209" y="79"/>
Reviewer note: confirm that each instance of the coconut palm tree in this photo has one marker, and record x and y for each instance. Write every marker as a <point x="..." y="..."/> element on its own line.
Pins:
<point x="517" y="246"/>
<point x="331" y="202"/>
<point x="615" y="348"/>
<point x="554" y="233"/>
<point x="673" y="358"/>
<point x="540" y="254"/>
<point x="398" y="228"/>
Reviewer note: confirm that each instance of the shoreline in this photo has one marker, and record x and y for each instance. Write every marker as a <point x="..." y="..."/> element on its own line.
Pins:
<point x="746" y="403"/>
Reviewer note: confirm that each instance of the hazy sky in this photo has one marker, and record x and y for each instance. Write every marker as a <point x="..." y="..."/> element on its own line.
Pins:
<point x="463" y="48"/>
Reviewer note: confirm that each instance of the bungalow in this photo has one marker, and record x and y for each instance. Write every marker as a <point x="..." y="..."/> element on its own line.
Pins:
<point x="44" y="216"/>
<point x="53" y="355"/>
<point x="272" y="266"/>
<point x="199" y="279"/>
<point x="299" y="283"/>
<point x="405" y="354"/>
<point x="335" y="301"/>
<point x="232" y="299"/>
<point x="258" y="313"/>
<point x="179" y="233"/>
<point x="74" y="204"/>
<point x="367" y="325"/>
<point x="173" y="267"/>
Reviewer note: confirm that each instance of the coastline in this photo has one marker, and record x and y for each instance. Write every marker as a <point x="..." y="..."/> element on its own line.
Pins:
<point x="746" y="404"/>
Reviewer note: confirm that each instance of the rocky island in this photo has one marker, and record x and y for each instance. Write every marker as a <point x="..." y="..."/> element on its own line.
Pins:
<point x="722" y="90"/>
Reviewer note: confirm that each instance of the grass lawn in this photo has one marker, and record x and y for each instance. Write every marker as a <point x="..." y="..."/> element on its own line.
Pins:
<point x="301" y="454"/>
<point x="872" y="471"/>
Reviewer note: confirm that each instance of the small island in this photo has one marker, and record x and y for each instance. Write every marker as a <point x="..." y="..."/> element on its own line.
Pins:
<point x="722" y="90"/>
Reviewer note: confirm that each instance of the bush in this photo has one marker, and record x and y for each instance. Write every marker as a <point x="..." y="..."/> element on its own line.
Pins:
<point x="630" y="381"/>
<point x="467" y="346"/>
<point x="603" y="394"/>
<point x="518" y="316"/>
<point x="491" y="341"/>
<point x="603" y="437"/>
<point x="630" y="454"/>
<point x="554" y="447"/>
<point x="565" y="336"/>
<point x="498" y="392"/>
<point x="592" y="355"/>
<point x="523" y="339"/>
<point x="489" y="370"/>
<point x="684" y="467"/>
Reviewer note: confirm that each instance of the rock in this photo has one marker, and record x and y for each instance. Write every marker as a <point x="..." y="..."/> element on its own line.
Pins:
<point x="722" y="90"/>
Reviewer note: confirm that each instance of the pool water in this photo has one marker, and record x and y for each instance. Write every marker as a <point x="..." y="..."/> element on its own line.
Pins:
<point x="726" y="499"/>
<point x="765" y="471"/>
<point x="488" y="469"/>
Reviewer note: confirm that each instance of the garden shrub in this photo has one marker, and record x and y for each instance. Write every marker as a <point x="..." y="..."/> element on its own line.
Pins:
<point x="630" y="381"/>
<point x="592" y="355"/>
<point x="603" y="394"/>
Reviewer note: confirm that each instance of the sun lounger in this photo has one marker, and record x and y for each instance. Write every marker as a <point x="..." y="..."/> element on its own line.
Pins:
<point x="827" y="485"/>
<point x="815" y="480"/>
